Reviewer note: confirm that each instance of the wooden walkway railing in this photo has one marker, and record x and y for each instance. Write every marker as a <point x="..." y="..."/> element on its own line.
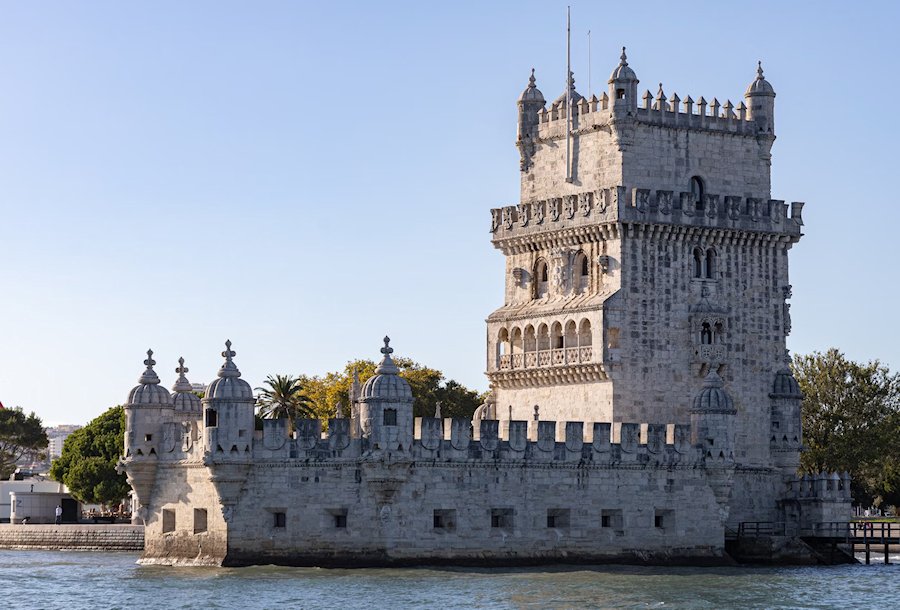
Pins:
<point x="867" y="534"/>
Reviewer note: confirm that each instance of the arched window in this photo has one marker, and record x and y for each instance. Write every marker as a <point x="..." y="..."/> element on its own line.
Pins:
<point x="530" y="340"/>
<point x="503" y="342"/>
<point x="517" y="341"/>
<point x="584" y="333"/>
<point x="543" y="337"/>
<point x="698" y="262"/>
<point x="582" y="271"/>
<point x="710" y="263"/>
<point x="697" y="192"/>
<point x="706" y="334"/>
<point x="718" y="333"/>
<point x="542" y="284"/>
<point x="571" y="334"/>
<point x="556" y="336"/>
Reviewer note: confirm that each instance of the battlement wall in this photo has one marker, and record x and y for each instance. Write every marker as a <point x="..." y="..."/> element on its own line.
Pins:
<point x="516" y="440"/>
<point x="588" y="211"/>
<point x="675" y="113"/>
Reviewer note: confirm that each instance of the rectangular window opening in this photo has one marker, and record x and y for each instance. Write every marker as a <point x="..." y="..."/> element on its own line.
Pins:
<point x="168" y="520"/>
<point x="212" y="418"/>
<point x="558" y="518"/>
<point x="338" y="517"/>
<point x="502" y="518"/>
<point x="148" y="437"/>
<point x="199" y="520"/>
<point x="444" y="519"/>
<point x="612" y="519"/>
<point x="390" y="417"/>
<point x="662" y="519"/>
<point x="279" y="519"/>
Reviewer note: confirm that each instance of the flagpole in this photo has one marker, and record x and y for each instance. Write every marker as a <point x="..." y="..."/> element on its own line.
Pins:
<point x="568" y="94"/>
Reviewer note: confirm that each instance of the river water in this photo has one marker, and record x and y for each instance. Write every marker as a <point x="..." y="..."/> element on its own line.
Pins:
<point x="76" y="580"/>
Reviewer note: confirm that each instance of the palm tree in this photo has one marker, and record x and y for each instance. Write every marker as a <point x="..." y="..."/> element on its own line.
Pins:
<point x="284" y="397"/>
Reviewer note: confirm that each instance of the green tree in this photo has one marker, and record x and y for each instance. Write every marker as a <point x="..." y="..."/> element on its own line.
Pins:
<point x="87" y="465"/>
<point x="427" y="384"/>
<point x="284" y="398"/>
<point x="20" y="435"/>
<point x="851" y="422"/>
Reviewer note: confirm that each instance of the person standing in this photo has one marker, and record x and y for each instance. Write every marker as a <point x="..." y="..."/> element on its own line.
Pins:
<point x="58" y="514"/>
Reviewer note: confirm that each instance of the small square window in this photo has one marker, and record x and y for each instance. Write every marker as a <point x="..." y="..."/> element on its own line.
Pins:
<point x="558" y="518"/>
<point x="502" y="518"/>
<point x="662" y="519"/>
<point x="612" y="519"/>
<point x="148" y="437"/>
<point x="199" y="520"/>
<point x="444" y="519"/>
<point x="280" y="520"/>
<point x="390" y="417"/>
<point x="340" y="521"/>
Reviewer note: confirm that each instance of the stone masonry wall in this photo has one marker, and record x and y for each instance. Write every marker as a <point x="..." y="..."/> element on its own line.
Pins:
<point x="72" y="537"/>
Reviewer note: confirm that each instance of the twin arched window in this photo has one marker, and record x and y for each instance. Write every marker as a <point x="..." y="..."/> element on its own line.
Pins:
<point x="705" y="263"/>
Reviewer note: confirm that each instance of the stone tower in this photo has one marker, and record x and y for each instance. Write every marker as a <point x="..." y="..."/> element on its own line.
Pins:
<point x="653" y="260"/>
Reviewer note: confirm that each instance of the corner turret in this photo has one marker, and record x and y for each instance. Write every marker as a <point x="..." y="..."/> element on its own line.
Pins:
<point x="530" y="104"/>
<point x="712" y="420"/>
<point x="623" y="84"/>
<point x="786" y="440"/>
<point x="228" y="412"/>
<point x="386" y="407"/>
<point x="760" y="98"/>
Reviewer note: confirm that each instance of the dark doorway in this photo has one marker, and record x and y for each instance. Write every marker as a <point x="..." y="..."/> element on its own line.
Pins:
<point x="70" y="510"/>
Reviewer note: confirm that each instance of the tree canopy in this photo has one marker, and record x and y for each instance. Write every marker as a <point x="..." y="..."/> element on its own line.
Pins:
<point x="428" y="388"/>
<point x="20" y="435"/>
<point x="87" y="465"/>
<point x="851" y="422"/>
<point x="283" y="396"/>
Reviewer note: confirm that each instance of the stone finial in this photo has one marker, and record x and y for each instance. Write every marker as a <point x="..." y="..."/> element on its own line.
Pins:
<point x="623" y="59"/>
<point x="437" y="409"/>
<point x="537" y="410"/>
<point x="387" y="366"/>
<point x="532" y="82"/>
<point x="510" y="413"/>
<point x="759" y="71"/>
<point x="182" y="384"/>
<point x="228" y="368"/>
<point x="149" y="375"/>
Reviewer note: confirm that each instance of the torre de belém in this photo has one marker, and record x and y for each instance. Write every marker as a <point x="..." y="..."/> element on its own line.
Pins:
<point x="641" y="404"/>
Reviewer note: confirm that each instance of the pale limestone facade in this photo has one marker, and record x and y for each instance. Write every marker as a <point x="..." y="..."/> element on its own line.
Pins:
<point x="641" y="404"/>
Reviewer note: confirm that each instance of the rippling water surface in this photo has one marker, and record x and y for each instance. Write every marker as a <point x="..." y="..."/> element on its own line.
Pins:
<point x="75" y="580"/>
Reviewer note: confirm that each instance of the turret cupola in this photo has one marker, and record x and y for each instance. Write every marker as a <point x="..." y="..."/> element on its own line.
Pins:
<point x="713" y="397"/>
<point x="185" y="399"/>
<point x="386" y="407"/>
<point x="760" y="98"/>
<point x="623" y="84"/>
<point x="229" y="385"/>
<point x="530" y="105"/>
<point x="149" y="392"/>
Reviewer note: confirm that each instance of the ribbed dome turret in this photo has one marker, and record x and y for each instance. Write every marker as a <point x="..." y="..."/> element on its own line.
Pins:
<point x="386" y="385"/>
<point x="760" y="86"/>
<point x="184" y="398"/>
<point x="532" y="93"/>
<point x="786" y="385"/>
<point x="149" y="392"/>
<point x="623" y="72"/>
<point x="229" y="385"/>
<point x="713" y="396"/>
<point x="576" y="97"/>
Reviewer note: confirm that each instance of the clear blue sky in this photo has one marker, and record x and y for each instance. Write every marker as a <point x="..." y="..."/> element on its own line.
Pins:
<point x="303" y="178"/>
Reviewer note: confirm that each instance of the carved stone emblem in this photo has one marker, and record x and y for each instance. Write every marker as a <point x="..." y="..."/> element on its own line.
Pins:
<point x="538" y="208"/>
<point x="664" y="201"/>
<point x="508" y="219"/>
<point x="495" y="220"/>
<point x="524" y="216"/>
<point x="584" y="203"/>
<point x="555" y="209"/>
<point x="602" y="200"/>
<point x="570" y="206"/>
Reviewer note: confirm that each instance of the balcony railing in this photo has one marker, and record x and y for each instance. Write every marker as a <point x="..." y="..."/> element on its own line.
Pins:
<point x="544" y="358"/>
